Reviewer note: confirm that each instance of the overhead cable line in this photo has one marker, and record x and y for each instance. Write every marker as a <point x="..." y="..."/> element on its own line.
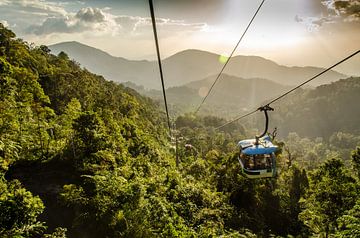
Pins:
<point x="319" y="74"/>
<point x="159" y="61"/>
<point x="238" y="118"/>
<point x="291" y="90"/>
<point x="228" y="59"/>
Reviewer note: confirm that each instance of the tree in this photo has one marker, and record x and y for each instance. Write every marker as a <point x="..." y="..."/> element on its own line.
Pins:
<point x="356" y="160"/>
<point x="89" y="138"/>
<point x="6" y="36"/>
<point x="19" y="210"/>
<point x="349" y="223"/>
<point x="331" y="192"/>
<point x="291" y="186"/>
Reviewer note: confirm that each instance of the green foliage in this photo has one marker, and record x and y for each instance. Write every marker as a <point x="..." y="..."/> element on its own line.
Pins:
<point x="58" y="233"/>
<point x="133" y="206"/>
<point x="331" y="192"/>
<point x="349" y="223"/>
<point x="321" y="112"/>
<point x="89" y="134"/>
<point x="99" y="156"/>
<point x="291" y="186"/>
<point x="19" y="210"/>
<point x="191" y="121"/>
<point x="356" y="161"/>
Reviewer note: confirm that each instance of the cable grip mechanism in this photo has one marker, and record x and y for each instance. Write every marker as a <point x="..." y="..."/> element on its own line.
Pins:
<point x="264" y="109"/>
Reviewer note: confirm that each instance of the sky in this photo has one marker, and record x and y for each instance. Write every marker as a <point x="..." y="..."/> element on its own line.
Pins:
<point x="289" y="32"/>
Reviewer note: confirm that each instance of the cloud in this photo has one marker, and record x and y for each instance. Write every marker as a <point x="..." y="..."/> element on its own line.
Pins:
<point x="142" y="25"/>
<point x="298" y="18"/>
<point x="337" y="12"/>
<point x="321" y="21"/>
<point x="102" y="22"/>
<point x="22" y="13"/>
<point x="86" y="19"/>
<point x="130" y="23"/>
<point x="348" y="10"/>
<point x="35" y="6"/>
<point x="4" y="3"/>
<point x="89" y="14"/>
<point x="313" y="23"/>
<point x="52" y="24"/>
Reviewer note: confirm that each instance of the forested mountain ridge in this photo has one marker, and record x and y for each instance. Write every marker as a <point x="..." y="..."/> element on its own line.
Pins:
<point x="316" y="112"/>
<point x="234" y="94"/>
<point x="322" y="111"/>
<point x="54" y="112"/>
<point x="231" y="96"/>
<point x="84" y="157"/>
<point x="187" y="66"/>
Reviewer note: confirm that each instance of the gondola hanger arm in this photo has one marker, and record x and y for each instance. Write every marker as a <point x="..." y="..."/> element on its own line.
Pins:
<point x="264" y="109"/>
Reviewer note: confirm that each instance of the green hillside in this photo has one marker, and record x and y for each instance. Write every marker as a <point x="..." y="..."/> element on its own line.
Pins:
<point x="322" y="111"/>
<point x="316" y="112"/>
<point x="87" y="158"/>
<point x="187" y="66"/>
<point x="231" y="96"/>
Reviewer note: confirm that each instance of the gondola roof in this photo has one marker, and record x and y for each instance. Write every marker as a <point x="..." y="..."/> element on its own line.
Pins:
<point x="264" y="147"/>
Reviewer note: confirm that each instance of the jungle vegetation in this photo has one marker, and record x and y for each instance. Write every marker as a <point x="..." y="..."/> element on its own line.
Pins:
<point x="84" y="157"/>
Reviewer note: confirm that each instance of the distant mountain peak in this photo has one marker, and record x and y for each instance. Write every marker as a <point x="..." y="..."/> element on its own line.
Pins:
<point x="70" y="46"/>
<point x="72" y="43"/>
<point x="187" y="66"/>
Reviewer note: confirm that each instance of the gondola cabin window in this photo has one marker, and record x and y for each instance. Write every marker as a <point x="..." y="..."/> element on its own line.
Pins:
<point x="262" y="161"/>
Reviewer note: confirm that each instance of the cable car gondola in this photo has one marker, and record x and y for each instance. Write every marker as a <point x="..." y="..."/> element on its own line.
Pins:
<point x="258" y="160"/>
<point x="257" y="156"/>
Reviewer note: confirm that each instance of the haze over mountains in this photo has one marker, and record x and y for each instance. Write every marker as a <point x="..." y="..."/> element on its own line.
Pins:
<point x="230" y="96"/>
<point x="187" y="66"/>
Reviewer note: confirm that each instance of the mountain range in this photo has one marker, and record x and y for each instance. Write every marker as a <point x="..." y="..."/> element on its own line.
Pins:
<point x="231" y="96"/>
<point x="187" y="66"/>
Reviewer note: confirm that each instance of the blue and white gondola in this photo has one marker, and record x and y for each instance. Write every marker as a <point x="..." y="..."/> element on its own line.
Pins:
<point x="257" y="158"/>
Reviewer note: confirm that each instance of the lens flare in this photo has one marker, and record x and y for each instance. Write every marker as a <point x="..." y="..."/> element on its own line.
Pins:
<point x="223" y="59"/>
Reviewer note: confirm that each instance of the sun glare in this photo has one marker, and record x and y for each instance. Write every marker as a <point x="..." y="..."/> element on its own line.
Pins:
<point x="223" y="59"/>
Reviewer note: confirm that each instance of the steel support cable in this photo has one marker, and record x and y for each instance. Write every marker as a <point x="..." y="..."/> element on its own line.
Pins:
<point x="228" y="59"/>
<point x="237" y="118"/>
<point x="291" y="90"/>
<point x="159" y="62"/>
<point x="314" y="77"/>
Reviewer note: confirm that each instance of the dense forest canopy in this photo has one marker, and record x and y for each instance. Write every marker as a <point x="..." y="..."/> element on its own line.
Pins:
<point x="323" y="111"/>
<point x="84" y="157"/>
<point x="318" y="112"/>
